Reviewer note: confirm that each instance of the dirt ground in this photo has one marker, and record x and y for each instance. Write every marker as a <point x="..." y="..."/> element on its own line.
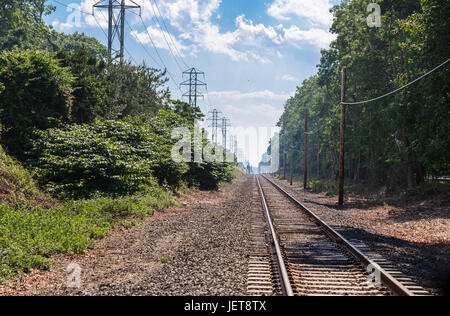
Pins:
<point x="202" y="246"/>
<point x="414" y="235"/>
<point x="198" y="248"/>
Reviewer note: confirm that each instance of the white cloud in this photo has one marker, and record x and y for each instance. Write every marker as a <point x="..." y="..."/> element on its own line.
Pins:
<point x="235" y="95"/>
<point x="316" y="11"/>
<point x="251" y="34"/>
<point x="61" y="27"/>
<point x="289" y="78"/>
<point x="192" y="28"/>
<point x="159" y="38"/>
<point x="317" y="37"/>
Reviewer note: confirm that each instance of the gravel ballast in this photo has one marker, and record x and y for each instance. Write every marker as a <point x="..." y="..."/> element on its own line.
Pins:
<point x="198" y="248"/>
<point x="415" y="237"/>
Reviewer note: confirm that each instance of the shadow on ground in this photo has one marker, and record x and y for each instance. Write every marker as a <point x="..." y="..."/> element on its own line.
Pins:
<point x="433" y="261"/>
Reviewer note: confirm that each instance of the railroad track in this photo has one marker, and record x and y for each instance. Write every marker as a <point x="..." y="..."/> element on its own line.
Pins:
<point x="295" y="253"/>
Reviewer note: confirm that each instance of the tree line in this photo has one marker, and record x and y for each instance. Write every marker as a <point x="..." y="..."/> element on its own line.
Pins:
<point x="59" y="95"/>
<point x="399" y="141"/>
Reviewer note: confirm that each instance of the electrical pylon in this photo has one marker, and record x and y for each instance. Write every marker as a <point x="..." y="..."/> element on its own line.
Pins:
<point x="214" y="124"/>
<point x="225" y="125"/>
<point x="116" y="25"/>
<point x="194" y="84"/>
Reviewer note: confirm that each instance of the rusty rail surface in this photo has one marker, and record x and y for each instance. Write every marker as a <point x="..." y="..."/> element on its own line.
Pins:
<point x="284" y="277"/>
<point x="388" y="280"/>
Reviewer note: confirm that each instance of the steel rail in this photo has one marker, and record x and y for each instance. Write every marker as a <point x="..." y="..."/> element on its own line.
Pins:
<point x="285" y="283"/>
<point x="388" y="280"/>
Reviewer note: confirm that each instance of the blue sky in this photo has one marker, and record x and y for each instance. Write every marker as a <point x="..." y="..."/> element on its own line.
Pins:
<point x="254" y="53"/>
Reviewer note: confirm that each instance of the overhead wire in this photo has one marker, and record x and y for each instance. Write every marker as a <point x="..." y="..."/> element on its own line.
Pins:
<point x="96" y="21"/>
<point x="131" y="56"/>
<point x="157" y="53"/>
<point x="399" y="89"/>
<point x="156" y="21"/>
<point x="388" y="94"/>
<point x="170" y="35"/>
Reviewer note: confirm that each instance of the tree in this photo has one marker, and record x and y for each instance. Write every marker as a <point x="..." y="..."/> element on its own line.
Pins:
<point x="88" y="89"/>
<point x="187" y="111"/>
<point x="133" y="90"/>
<point x="76" y="41"/>
<point x="37" y="94"/>
<point x="21" y="24"/>
<point x="398" y="140"/>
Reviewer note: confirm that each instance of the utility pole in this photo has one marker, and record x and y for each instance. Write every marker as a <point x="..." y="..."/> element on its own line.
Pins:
<point x="292" y="158"/>
<point x="116" y="25"/>
<point x="284" y="160"/>
<point x="225" y="125"/>
<point x="214" y="124"/>
<point x="280" y="155"/>
<point x="194" y="84"/>
<point x="305" y="177"/>
<point x="341" y="154"/>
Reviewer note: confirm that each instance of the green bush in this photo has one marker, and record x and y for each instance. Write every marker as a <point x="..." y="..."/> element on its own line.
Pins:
<point x="117" y="158"/>
<point x="36" y="94"/>
<point x="114" y="158"/>
<point x="17" y="185"/>
<point x="208" y="176"/>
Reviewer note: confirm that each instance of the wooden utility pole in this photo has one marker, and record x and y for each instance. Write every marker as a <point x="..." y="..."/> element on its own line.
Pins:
<point x="280" y="155"/>
<point x="341" y="154"/>
<point x="305" y="178"/>
<point x="292" y="158"/>
<point x="284" y="153"/>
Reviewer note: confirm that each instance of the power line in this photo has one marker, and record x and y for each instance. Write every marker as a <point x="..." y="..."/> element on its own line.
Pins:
<point x="151" y="40"/>
<point x="170" y="35"/>
<point x="96" y="21"/>
<point x="157" y="53"/>
<point x="164" y="35"/>
<point x="399" y="89"/>
<point x="193" y="83"/>
<point x="131" y="56"/>
<point x="209" y="101"/>
<point x="225" y="124"/>
<point x="214" y="125"/>
<point x="145" y="48"/>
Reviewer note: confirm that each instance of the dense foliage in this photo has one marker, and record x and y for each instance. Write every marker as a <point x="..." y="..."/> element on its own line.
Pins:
<point x="112" y="157"/>
<point x="117" y="158"/>
<point x="17" y="185"/>
<point x="400" y="140"/>
<point x="21" y="24"/>
<point x="37" y="94"/>
<point x="86" y="129"/>
<point x="133" y="90"/>
<point x="88" y="87"/>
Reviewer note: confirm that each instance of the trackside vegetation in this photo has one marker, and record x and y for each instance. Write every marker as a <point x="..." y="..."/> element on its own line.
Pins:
<point x="85" y="143"/>
<point x="399" y="142"/>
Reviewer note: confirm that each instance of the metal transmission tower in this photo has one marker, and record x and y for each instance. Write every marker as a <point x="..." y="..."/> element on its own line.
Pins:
<point x="225" y="125"/>
<point x="214" y="124"/>
<point x="116" y="24"/>
<point x="234" y="146"/>
<point x="194" y="84"/>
